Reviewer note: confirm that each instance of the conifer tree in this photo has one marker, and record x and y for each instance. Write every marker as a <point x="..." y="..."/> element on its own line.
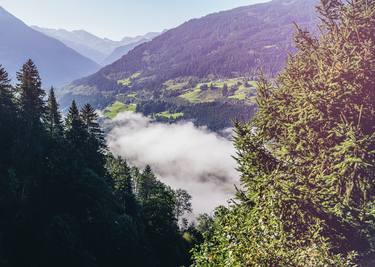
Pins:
<point x="6" y="94"/>
<point x="7" y="117"/>
<point x="31" y="95"/>
<point x="307" y="159"/>
<point x="73" y="116"/>
<point x="53" y="119"/>
<point x="76" y="132"/>
<point x="146" y="183"/>
<point x="90" y="120"/>
<point x="29" y="151"/>
<point x="122" y="183"/>
<point x="95" y="148"/>
<point x="56" y="208"/>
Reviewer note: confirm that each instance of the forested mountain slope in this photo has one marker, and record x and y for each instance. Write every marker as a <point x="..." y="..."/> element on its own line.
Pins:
<point x="224" y="44"/>
<point x="66" y="201"/>
<point x="221" y="46"/>
<point x="123" y="50"/>
<point x="58" y="63"/>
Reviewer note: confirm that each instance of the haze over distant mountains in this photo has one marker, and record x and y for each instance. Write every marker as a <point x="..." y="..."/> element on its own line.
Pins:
<point x="101" y="50"/>
<point x="132" y="42"/>
<point x="225" y="44"/>
<point x="190" y="64"/>
<point x="57" y="63"/>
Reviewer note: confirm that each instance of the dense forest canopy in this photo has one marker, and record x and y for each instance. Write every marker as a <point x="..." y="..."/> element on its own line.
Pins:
<point x="308" y="157"/>
<point x="203" y="65"/>
<point x="66" y="201"/>
<point x="19" y="42"/>
<point x="307" y="164"/>
<point x="224" y="44"/>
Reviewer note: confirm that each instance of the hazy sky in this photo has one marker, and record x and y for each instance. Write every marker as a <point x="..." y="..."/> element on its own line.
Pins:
<point x="115" y="18"/>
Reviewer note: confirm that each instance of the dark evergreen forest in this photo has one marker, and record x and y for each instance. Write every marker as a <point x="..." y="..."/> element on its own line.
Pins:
<point x="66" y="201"/>
<point x="306" y="160"/>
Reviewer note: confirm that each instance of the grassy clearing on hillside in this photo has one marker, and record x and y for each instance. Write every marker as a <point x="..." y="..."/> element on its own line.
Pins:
<point x="243" y="91"/>
<point x="118" y="107"/>
<point x="128" y="81"/>
<point x="192" y="96"/>
<point x="172" y="85"/>
<point x="170" y="116"/>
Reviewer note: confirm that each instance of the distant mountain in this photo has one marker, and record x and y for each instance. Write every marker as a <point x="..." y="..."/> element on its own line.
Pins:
<point x="121" y="51"/>
<point x="178" y="66"/>
<point x="91" y="46"/>
<point x="225" y="44"/>
<point x="83" y="42"/>
<point x="129" y="44"/>
<point x="148" y="36"/>
<point x="57" y="63"/>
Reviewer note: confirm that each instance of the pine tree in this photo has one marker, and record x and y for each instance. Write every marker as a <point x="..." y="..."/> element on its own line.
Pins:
<point x="307" y="159"/>
<point x="6" y="93"/>
<point x="73" y="116"/>
<point x="8" y="115"/>
<point x="29" y="150"/>
<point x="146" y="183"/>
<point x="123" y="184"/>
<point x="95" y="148"/>
<point x="53" y="119"/>
<point x="90" y="120"/>
<point x="76" y="132"/>
<point x="31" y="95"/>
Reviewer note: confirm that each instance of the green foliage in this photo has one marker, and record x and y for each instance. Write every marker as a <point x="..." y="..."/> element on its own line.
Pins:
<point x="193" y="96"/>
<point x="170" y="116"/>
<point x="53" y="117"/>
<point x="7" y="123"/>
<point x="128" y="81"/>
<point x="221" y="45"/>
<point x="307" y="158"/>
<point x="216" y="116"/>
<point x="31" y="101"/>
<point x="66" y="201"/>
<point x="183" y="203"/>
<point x="113" y="110"/>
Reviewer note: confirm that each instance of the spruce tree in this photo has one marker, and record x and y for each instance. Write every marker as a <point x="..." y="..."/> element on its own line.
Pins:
<point x="31" y="95"/>
<point x="95" y="147"/>
<point x="90" y="120"/>
<point x="120" y="172"/>
<point x="8" y="115"/>
<point x="53" y="119"/>
<point x="76" y="133"/>
<point x="73" y="116"/>
<point x="146" y="183"/>
<point x="307" y="159"/>
<point x="29" y="151"/>
<point x="6" y="94"/>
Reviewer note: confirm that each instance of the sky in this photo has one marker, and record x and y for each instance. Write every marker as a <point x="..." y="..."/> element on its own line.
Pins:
<point x="115" y="19"/>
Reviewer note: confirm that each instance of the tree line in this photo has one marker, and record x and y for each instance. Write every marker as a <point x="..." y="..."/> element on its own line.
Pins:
<point x="66" y="201"/>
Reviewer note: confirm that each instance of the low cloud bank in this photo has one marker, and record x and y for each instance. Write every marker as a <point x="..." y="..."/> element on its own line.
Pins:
<point x="181" y="155"/>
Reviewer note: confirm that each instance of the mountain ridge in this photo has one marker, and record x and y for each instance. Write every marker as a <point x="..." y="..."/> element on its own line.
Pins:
<point x="58" y="64"/>
<point x="210" y="61"/>
<point x="160" y="50"/>
<point x="96" y="48"/>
